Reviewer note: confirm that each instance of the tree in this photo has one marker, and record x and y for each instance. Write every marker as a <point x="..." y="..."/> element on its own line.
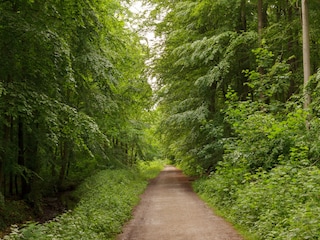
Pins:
<point x="306" y="50"/>
<point x="71" y="80"/>
<point x="205" y="54"/>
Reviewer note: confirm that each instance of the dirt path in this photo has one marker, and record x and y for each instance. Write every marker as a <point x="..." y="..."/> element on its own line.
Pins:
<point x="170" y="210"/>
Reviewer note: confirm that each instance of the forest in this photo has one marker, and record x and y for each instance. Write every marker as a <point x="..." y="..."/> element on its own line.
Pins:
<point x="74" y="97"/>
<point x="234" y="101"/>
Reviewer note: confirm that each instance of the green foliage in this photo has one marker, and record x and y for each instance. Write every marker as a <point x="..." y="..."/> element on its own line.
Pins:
<point x="231" y="100"/>
<point x="268" y="180"/>
<point x="199" y="61"/>
<point x="279" y="200"/>
<point x="271" y="80"/>
<point x="72" y="94"/>
<point x="150" y="169"/>
<point x="106" y="202"/>
<point x="279" y="204"/>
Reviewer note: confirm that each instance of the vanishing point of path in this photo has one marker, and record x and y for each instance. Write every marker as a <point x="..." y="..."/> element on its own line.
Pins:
<point x="170" y="210"/>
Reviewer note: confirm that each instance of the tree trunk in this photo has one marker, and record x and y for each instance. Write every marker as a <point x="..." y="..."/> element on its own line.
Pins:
<point x="293" y="48"/>
<point x="306" y="51"/>
<point x="260" y="20"/>
<point x="242" y="17"/>
<point x="25" y="189"/>
<point x="64" y="163"/>
<point x="260" y="32"/>
<point x="4" y="153"/>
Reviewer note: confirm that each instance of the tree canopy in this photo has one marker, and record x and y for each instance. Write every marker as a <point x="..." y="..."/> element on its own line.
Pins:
<point x="222" y="59"/>
<point x="73" y="93"/>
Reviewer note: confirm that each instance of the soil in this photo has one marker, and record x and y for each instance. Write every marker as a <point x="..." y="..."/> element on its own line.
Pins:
<point x="170" y="210"/>
<point x="51" y="208"/>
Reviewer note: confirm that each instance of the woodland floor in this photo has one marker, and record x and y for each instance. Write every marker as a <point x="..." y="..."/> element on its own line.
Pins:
<point x="170" y="210"/>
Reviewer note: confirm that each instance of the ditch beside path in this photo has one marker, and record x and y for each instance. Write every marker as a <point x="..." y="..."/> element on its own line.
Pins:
<point x="170" y="210"/>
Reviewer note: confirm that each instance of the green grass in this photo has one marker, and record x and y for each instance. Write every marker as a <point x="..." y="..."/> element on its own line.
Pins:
<point x="107" y="200"/>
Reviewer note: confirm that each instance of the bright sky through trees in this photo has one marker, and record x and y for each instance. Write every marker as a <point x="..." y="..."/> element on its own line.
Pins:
<point x="142" y="12"/>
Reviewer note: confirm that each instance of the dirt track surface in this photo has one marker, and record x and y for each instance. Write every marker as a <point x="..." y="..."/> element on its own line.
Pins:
<point x="170" y="210"/>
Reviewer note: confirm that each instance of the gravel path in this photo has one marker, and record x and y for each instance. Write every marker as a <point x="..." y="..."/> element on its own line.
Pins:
<point x="170" y="210"/>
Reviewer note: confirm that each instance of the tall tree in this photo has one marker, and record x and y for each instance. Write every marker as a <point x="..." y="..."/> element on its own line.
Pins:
<point x="260" y="20"/>
<point x="71" y="79"/>
<point x="206" y="53"/>
<point x="306" y="51"/>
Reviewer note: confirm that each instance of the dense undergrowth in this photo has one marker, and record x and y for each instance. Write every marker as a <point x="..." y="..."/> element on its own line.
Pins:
<point x="281" y="204"/>
<point x="269" y="180"/>
<point x="106" y="202"/>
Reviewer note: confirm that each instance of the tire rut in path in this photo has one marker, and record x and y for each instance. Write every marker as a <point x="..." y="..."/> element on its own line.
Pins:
<point x="170" y="210"/>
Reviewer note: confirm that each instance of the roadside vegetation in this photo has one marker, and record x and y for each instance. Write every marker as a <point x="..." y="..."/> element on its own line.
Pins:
<point x="269" y="181"/>
<point x="105" y="203"/>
